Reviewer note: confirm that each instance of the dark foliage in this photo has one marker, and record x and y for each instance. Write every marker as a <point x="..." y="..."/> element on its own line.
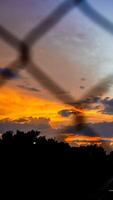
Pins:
<point x="81" y="171"/>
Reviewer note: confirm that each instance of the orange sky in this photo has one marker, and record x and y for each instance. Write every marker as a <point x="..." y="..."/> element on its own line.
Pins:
<point x="73" y="49"/>
<point x="86" y="140"/>
<point x="15" y="104"/>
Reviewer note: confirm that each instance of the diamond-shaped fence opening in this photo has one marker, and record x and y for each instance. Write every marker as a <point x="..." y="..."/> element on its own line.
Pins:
<point x="6" y="50"/>
<point x="24" y="60"/>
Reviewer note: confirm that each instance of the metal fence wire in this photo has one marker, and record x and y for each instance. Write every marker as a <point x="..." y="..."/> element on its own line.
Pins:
<point x="25" y="46"/>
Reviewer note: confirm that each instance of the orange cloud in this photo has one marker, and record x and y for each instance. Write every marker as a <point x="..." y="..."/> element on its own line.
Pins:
<point x="85" y="140"/>
<point x="94" y="116"/>
<point x="15" y="104"/>
<point x="73" y="137"/>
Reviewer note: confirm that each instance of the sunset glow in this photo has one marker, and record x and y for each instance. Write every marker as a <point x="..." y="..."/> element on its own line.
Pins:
<point x="84" y="140"/>
<point x="15" y="104"/>
<point x="75" y="54"/>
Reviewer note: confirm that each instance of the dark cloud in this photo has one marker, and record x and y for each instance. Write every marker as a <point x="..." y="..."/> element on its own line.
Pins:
<point x="91" y="100"/>
<point x="89" y="103"/>
<point x="65" y="113"/>
<point x="108" y="106"/>
<point x="27" y="124"/>
<point x="103" y="129"/>
<point x="87" y="130"/>
<point x="28" y="88"/>
<point x="105" y="105"/>
<point x="8" y="73"/>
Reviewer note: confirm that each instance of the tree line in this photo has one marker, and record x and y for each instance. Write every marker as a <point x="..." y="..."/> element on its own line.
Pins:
<point x="85" y="168"/>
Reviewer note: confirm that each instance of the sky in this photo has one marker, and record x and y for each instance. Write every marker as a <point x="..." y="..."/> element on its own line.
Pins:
<point x="76" y="53"/>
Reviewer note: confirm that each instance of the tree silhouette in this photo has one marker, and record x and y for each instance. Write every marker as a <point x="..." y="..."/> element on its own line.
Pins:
<point x="85" y="168"/>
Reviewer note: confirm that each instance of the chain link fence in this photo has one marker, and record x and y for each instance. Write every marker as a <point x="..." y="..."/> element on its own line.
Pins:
<point x="24" y="61"/>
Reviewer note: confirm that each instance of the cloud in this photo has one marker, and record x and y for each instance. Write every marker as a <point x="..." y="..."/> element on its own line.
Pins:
<point x="108" y="106"/>
<point x="102" y="105"/>
<point x="8" y="73"/>
<point x="103" y="129"/>
<point x="67" y="134"/>
<point x="65" y="113"/>
<point x="78" y="140"/>
<point x="44" y="125"/>
<point x="26" y="124"/>
<point x="87" y="130"/>
<point x="28" y="88"/>
<point x="90" y="100"/>
<point x="89" y="103"/>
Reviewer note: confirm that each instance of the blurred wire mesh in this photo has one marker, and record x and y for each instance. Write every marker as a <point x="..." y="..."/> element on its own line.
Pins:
<point x="25" y="46"/>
